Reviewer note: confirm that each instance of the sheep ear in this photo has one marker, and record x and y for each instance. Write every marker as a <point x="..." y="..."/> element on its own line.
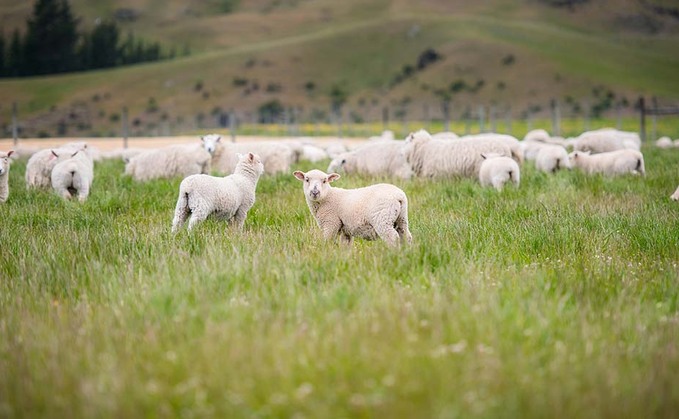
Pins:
<point x="126" y="160"/>
<point x="202" y="138"/>
<point x="484" y="156"/>
<point x="73" y="155"/>
<point x="251" y="157"/>
<point x="219" y="138"/>
<point x="333" y="177"/>
<point x="10" y="152"/>
<point x="299" y="175"/>
<point x="54" y="154"/>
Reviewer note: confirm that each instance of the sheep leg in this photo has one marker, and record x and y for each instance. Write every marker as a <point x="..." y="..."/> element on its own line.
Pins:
<point x="181" y="212"/>
<point x="331" y="229"/>
<point x="346" y="239"/>
<point x="403" y="231"/>
<point x="238" y="219"/>
<point x="197" y="216"/>
<point x="388" y="233"/>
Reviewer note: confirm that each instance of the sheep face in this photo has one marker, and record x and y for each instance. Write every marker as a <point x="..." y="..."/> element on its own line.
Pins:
<point x="4" y="161"/>
<point x="210" y="142"/>
<point x="575" y="155"/>
<point x="316" y="184"/>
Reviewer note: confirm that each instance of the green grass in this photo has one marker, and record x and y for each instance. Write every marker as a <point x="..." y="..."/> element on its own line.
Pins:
<point x="557" y="299"/>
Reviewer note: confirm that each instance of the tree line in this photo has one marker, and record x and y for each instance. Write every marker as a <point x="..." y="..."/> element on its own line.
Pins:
<point x="52" y="43"/>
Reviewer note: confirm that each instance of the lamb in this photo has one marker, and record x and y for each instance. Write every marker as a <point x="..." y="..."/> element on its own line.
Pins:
<point x="39" y="166"/>
<point x="73" y="175"/>
<point x="610" y="163"/>
<point x="168" y="162"/>
<point x="496" y="170"/>
<point x="229" y="198"/>
<point x="432" y="158"/>
<point x="513" y="144"/>
<point x="276" y="157"/>
<point x="371" y="212"/>
<point x="606" y="139"/>
<point x="675" y="195"/>
<point x="551" y="158"/>
<point x="4" y="174"/>
<point x="374" y="159"/>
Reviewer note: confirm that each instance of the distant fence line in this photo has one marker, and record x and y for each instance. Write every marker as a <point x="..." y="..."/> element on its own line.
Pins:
<point x="371" y="120"/>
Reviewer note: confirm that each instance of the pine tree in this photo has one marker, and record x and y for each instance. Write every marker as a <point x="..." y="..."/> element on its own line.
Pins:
<point x="15" y="56"/>
<point x="103" y="46"/>
<point x="3" y="69"/>
<point x="50" y="45"/>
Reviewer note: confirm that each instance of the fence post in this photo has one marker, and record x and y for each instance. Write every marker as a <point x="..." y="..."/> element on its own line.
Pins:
<point x="529" y="120"/>
<point x="482" y="118"/>
<point x="642" y="121"/>
<point x="491" y="116"/>
<point x="15" y="127"/>
<point x="232" y="125"/>
<point x="618" y="115"/>
<point x="385" y="118"/>
<point x="467" y="120"/>
<point x="556" y="117"/>
<point x="125" y="127"/>
<point x="654" y="120"/>
<point x="508" y="120"/>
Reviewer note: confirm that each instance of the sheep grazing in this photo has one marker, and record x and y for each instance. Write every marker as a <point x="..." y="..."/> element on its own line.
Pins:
<point x="277" y="157"/>
<point x="434" y="158"/>
<point x="496" y="170"/>
<point x="664" y="142"/>
<point x="551" y="158"/>
<point x="39" y="166"/>
<point x="606" y="139"/>
<point x="168" y="162"/>
<point x="491" y="137"/>
<point x="610" y="163"/>
<point x="4" y="174"/>
<point x="229" y="198"/>
<point x="375" y="159"/>
<point x="73" y="175"/>
<point x="675" y="195"/>
<point x="371" y="212"/>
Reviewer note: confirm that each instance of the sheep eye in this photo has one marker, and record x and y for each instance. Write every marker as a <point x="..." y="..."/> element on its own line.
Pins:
<point x="306" y="180"/>
<point x="325" y="180"/>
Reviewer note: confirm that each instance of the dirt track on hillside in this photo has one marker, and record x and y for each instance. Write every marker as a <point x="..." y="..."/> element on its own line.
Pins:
<point x="106" y="144"/>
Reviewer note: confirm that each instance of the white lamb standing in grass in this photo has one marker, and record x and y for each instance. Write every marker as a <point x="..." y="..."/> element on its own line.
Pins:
<point x="40" y="164"/>
<point x="371" y="212"/>
<point x="73" y="175"/>
<point x="228" y="198"/>
<point x="375" y="158"/>
<point x="610" y="163"/>
<point x="434" y="158"/>
<point x="277" y="157"/>
<point x="675" y="195"/>
<point x="551" y="158"/>
<point x="605" y="140"/>
<point x="168" y="162"/>
<point x="496" y="170"/>
<point x="4" y="174"/>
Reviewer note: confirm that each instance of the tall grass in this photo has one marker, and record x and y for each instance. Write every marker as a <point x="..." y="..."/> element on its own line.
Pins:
<point x="556" y="299"/>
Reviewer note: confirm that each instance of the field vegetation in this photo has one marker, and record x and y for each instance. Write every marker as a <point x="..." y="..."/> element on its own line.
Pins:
<point x="556" y="299"/>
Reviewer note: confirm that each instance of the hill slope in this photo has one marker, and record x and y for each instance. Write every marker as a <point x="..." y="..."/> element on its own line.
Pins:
<point x="507" y="53"/>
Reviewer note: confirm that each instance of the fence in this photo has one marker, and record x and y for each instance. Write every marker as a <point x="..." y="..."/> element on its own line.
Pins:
<point x="567" y="118"/>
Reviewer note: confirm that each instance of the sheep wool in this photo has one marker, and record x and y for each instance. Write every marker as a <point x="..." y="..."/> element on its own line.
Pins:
<point x="375" y="158"/>
<point x="168" y="162"/>
<point x="277" y="158"/>
<point x="496" y="170"/>
<point x="4" y="174"/>
<point x="429" y="157"/>
<point x="228" y="198"/>
<point x="371" y="212"/>
<point x="73" y="175"/>
<point x="40" y="164"/>
<point x="610" y="163"/>
<point x="551" y="158"/>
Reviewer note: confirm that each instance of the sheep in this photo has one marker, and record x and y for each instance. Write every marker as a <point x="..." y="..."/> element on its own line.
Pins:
<point x="538" y="135"/>
<point x="371" y="212"/>
<point x="386" y="135"/>
<point x="375" y="158"/>
<point x="335" y="149"/>
<point x="229" y="198"/>
<point x="73" y="175"/>
<point x="606" y="139"/>
<point x="513" y="143"/>
<point x="168" y="162"/>
<point x="675" y="195"/>
<point x="664" y="142"/>
<point x="40" y="164"/>
<point x="610" y="163"/>
<point x="445" y="135"/>
<point x="429" y="157"/>
<point x="276" y="157"/>
<point x="313" y="153"/>
<point x="4" y="174"/>
<point x="496" y="170"/>
<point x="551" y="158"/>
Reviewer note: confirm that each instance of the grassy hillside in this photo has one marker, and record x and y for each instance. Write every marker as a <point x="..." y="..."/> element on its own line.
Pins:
<point x="522" y="54"/>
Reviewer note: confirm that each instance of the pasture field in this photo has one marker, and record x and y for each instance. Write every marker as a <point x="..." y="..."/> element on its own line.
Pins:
<point x="556" y="299"/>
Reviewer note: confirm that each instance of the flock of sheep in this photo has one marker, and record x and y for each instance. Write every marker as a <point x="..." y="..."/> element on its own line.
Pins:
<point x="377" y="211"/>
